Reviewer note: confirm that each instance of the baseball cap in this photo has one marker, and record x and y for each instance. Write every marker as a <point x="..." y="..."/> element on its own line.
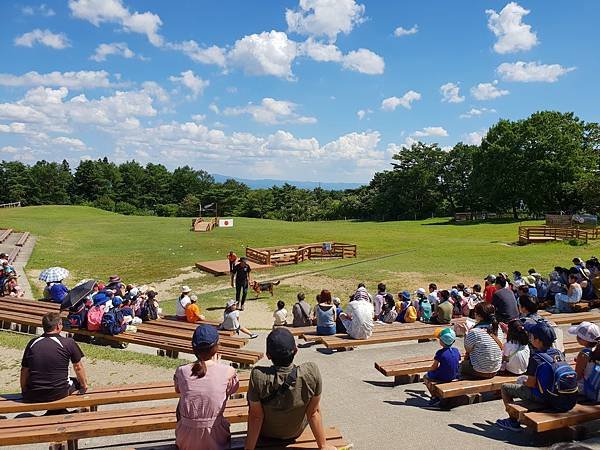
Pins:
<point x="454" y="292"/>
<point x="406" y="294"/>
<point x="205" y="336"/>
<point x="117" y="301"/>
<point x="420" y="291"/>
<point x="490" y="278"/>
<point x="541" y="330"/>
<point x="587" y="331"/>
<point x="446" y="335"/>
<point x="280" y="343"/>
<point x="230" y="303"/>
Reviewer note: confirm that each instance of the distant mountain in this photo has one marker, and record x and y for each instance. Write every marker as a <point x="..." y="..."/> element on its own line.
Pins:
<point x="267" y="183"/>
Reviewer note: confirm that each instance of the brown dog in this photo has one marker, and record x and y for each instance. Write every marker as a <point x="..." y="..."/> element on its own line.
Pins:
<point x="264" y="286"/>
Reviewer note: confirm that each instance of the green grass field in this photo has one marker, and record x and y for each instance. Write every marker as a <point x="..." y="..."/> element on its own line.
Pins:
<point x="95" y="244"/>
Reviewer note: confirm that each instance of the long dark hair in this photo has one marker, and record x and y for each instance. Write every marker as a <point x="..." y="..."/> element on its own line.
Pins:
<point x="487" y="312"/>
<point x="516" y="333"/>
<point x="203" y="354"/>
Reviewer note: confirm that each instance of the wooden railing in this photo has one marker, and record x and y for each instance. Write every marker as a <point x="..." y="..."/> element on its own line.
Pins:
<point x="294" y="254"/>
<point x="529" y="234"/>
<point x="10" y="205"/>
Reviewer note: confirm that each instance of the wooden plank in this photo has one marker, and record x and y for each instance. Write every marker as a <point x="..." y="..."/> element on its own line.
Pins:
<point x="541" y="421"/>
<point x="22" y="239"/>
<point x="467" y="387"/>
<point x="5" y="234"/>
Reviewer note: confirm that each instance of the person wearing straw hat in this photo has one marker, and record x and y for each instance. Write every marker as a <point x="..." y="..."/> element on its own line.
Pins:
<point x="182" y="302"/>
<point x="204" y="387"/>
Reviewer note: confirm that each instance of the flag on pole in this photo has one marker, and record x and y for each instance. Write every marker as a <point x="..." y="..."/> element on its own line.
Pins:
<point x="225" y="223"/>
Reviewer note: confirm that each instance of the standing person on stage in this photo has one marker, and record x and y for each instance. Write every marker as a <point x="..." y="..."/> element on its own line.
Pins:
<point x="241" y="273"/>
<point x="232" y="258"/>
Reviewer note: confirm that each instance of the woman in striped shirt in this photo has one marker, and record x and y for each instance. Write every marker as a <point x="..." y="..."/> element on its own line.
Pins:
<point x="483" y="345"/>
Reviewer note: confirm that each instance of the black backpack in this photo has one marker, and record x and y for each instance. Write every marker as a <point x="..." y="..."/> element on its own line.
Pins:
<point x="149" y="311"/>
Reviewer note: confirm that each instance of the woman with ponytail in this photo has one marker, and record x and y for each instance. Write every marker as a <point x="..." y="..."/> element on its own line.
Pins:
<point x="483" y="344"/>
<point x="204" y="388"/>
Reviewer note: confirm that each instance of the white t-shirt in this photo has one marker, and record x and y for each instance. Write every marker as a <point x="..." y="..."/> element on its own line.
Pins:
<point x="180" y="305"/>
<point x="361" y="325"/>
<point x="280" y="317"/>
<point x="433" y="299"/>
<point x="518" y="358"/>
<point x="378" y="304"/>
<point x="231" y="321"/>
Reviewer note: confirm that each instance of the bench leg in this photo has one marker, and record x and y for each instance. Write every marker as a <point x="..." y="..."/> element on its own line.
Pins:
<point x="160" y="352"/>
<point x="406" y="379"/>
<point x="172" y="354"/>
<point x="72" y="445"/>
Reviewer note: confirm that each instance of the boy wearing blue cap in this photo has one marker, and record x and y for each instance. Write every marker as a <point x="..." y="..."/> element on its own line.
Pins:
<point x="445" y="365"/>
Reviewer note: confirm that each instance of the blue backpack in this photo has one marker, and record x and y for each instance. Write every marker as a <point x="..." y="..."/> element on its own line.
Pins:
<point x="112" y="322"/>
<point x="557" y="382"/>
<point x="77" y="318"/>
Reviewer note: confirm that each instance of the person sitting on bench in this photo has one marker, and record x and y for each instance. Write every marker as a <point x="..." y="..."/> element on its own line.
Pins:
<point x="483" y="345"/>
<point x="563" y="302"/>
<point x="325" y="313"/>
<point x="284" y="398"/>
<point x="231" y="320"/>
<point x="445" y="362"/>
<point x="301" y="312"/>
<point x="204" y="388"/>
<point x="358" y="318"/>
<point x="45" y="364"/>
<point x="443" y="310"/>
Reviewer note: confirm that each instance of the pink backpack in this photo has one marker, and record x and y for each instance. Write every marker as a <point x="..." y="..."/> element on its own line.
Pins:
<point x="94" y="318"/>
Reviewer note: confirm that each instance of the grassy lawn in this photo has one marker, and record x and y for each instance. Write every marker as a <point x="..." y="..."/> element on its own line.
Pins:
<point x="95" y="244"/>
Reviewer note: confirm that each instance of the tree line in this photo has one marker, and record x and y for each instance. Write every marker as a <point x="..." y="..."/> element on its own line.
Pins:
<point x="548" y="162"/>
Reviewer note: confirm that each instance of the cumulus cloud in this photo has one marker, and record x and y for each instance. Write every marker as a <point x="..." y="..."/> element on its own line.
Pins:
<point x="451" y="93"/>
<point x="325" y="18"/>
<point x="431" y="131"/>
<point x="391" y="103"/>
<point x="513" y="35"/>
<point x="320" y="51"/>
<point x="205" y="55"/>
<point x="57" y="41"/>
<point x="113" y="11"/>
<point x="267" y="53"/>
<point x="271" y="112"/>
<point x="399" y="32"/>
<point x="526" y="72"/>
<point x="116" y="48"/>
<point x="72" y="143"/>
<point x="364" y="61"/>
<point x="475" y="112"/>
<point x="488" y="91"/>
<point x="192" y="82"/>
<point x="474" y="138"/>
<point x="362" y="113"/>
<point x="73" y="80"/>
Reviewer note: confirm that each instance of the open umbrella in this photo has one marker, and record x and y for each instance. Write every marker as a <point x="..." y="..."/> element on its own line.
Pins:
<point x="53" y="274"/>
<point x="77" y="295"/>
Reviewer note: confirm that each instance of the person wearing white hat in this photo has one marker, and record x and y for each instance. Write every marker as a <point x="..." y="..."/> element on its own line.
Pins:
<point x="588" y="335"/>
<point x="181" y="303"/>
<point x="231" y="320"/>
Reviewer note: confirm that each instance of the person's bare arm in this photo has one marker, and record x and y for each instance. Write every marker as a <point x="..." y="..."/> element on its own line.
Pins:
<point x="530" y="381"/>
<point x="255" y="420"/>
<point x="315" y="420"/>
<point x="23" y="378"/>
<point x="81" y="376"/>
<point x="435" y="365"/>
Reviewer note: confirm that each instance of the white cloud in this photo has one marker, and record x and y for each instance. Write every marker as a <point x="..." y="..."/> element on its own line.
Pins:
<point x="113" y="11"/>
<point x="205" y="55"/>
<point x="399" y="32"/>
<point x="214" y="108"/>
<point x="271" y="112"/>
<point x="354" y="146"/>
<point x="391" y="103"/>
<point x="513" y="35"/>
<point x="451" y="93"/>
<point x="116" y="48"/>
<point x="42" y="10"/>
<point x="431" y="131"/>
<point x="57" y="41"/>
<point x="364" y="61"/>
<point x="488" y="91"/>
<point x="192" y="82"/>
<point x="155" y="90"/>
<point x="324" y="17"/>
<point x="475" y="112"/>
<point x="532" y="71"/>
<point x="72" y="80"/>
<point x="321" y="52"/>
<point x="474" y="138"/>
<point x="72" y="143"/>
<point x="362" y="113"/>
<point x="198" y="118"/>
<point x="267" y="53"/>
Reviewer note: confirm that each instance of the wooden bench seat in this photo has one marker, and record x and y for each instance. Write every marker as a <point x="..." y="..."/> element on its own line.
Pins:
<point x="108" y="395"/>
<point x="22" y="239"/>
<point x="539" y="420"/>
<point x="71" y="427"/>
<point x="4" y="234"/>
<point x="345" y="341"/>
<point x="12" y="256"/>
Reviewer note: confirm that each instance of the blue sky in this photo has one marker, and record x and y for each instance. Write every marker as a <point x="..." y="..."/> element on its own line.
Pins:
<point x="321" y="90"/>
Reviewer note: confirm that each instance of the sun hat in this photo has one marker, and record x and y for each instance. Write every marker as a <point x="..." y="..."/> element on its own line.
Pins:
<point x="114" y="279"/>
<point x="530" y="280"/>
<point x="406" y="295"/>
<point x="446" y="335"/>
<point x="280" y="343"/>
<point x="230" y="303"/>
<point x="587" y="331"/>
<point x="336" y="301"/>
<point x="100" y="298"/>
<point x="185" y="289"/>
<point x="454" y="293"/>
<point x="420" y="291"/>
<point x="194" y="298"/>
<point x="541" y="330"/>
<point x="205" y="336"/>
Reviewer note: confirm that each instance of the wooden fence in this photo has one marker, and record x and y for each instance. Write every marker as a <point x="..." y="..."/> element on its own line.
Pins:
<point x="529" y="234"/>
<point x="294" y="254"/>
<point x="10" y="205"/>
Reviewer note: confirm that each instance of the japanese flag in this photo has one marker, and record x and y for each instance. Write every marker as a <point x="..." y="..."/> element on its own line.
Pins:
<point x="225" y="222"/>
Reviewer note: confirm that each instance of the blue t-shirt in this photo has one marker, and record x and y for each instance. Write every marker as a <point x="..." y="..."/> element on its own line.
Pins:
<point x="58" y="292"/>
<point x="533" y="292"/>
<point x="449" y="359"/>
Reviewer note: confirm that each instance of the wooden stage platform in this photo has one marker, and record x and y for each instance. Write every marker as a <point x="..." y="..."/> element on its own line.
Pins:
<point x="221" y="267"/>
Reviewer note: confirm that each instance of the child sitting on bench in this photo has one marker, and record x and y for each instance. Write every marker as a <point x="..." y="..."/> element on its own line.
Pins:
<point x="445" y="362"/>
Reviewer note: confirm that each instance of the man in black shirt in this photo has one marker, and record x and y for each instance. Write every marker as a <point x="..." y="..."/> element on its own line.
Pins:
<point x="241" y="273"/>
<point x="45" y="365"/>
<point x="505" y="302"/>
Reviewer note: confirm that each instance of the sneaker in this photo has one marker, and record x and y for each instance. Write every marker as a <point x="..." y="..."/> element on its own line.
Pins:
<point x="435" y="401"/>
<point x="253" y="336"/>
<point x="509" y="424"/>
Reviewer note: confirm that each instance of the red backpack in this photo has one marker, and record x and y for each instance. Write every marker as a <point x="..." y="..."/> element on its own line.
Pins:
<point x="94" y="318"/>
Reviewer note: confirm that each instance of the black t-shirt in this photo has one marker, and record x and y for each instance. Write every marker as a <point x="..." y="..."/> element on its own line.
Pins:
<point x="47" y="357"/>
<point x="241" y="274"/>
<point x="506" y="305"/>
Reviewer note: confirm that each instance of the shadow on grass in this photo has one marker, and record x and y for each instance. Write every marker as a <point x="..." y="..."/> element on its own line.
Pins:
<point x="491" y="431"/>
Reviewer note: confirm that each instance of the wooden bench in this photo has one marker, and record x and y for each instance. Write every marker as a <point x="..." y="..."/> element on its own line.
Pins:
<point x="108" y="395"/>
<point x="345" y="341"/>
<point x="12" y="256"/>
<point x="23" y="239"/>
<point x="5" y="234"/>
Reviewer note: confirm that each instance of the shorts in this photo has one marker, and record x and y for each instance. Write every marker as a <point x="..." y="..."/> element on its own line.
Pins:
<point x="467" y="371"/>
<point x="521" y="391"/>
